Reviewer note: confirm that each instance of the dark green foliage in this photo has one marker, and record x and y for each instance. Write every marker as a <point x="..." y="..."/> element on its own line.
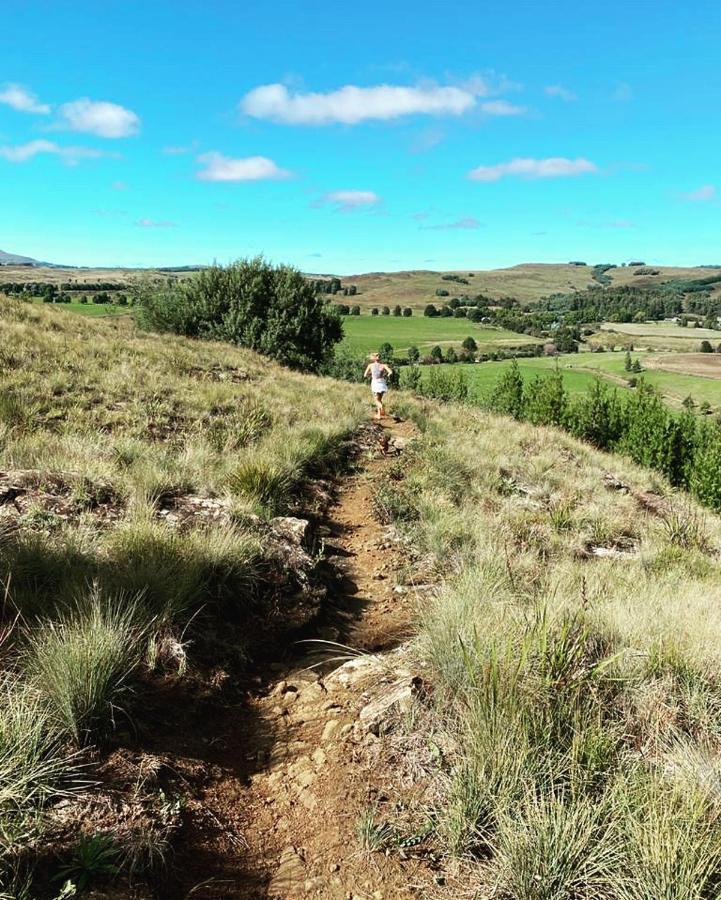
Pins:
<point x="451" y="355"/>
<point x="470" y="344"/>
<point x="446" y="312"/>
<point x="274" y="310"/>
<point x="706" y="347"/>
<point x="437" y="353"/>
<point x="430" y="310"/>
<point x="546" y="400"/>
<point x="386" y="311"/>
<point x="385" y="351"/>
<point x="397" y="311"/>
<point x="441" y="292"/>
<point x="460" y="312"/>
<point x="414" y="354"/>
<point x="598" y="416"/>
<point x="407" y="311"/>
<point x="374" y="311"/>
<point x="355" y="310"/>
<point x="507" y="396"/>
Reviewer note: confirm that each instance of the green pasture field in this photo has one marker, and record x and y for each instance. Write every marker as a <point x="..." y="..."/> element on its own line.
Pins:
<point x="366" y="333"/>
<point x="581" y="369"/>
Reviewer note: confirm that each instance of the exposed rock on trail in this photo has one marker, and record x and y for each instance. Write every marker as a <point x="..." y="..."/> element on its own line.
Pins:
<point x="291" y="774"/>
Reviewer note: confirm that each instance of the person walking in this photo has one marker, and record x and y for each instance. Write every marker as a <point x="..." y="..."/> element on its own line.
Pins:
<point x="377" y="372"/>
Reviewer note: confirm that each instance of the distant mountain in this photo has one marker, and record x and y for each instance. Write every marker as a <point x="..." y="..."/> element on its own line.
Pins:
<point x="12" y="259"/>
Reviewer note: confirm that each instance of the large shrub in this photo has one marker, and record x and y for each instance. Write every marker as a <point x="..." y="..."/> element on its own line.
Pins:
<point x="271" y="309"/>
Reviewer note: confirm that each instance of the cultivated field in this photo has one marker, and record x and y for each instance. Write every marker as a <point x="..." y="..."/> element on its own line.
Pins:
<point x="366" y="333"/>
<point x="707" y="365"/>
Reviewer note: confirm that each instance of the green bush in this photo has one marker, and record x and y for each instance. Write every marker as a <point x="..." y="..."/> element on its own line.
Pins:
<point x="271" y="309"/>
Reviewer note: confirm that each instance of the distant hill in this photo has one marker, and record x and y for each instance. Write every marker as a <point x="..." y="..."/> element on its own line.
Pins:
<point x="526" y="282"/>
<point x="14" y="259"/>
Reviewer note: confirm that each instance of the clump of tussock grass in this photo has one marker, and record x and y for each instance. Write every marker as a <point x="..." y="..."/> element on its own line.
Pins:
<point x="81" y="664"/>
<point x="177" y="572"/>
<point x="34" y="767"/>
<point x="557" y="848"/>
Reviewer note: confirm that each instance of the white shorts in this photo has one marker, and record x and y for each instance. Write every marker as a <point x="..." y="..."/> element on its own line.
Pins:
<point x="378" y="386"/>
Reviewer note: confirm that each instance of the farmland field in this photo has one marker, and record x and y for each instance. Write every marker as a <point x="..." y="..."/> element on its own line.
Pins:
<point x="366" y="333"/>
<point x="580" y="371"/>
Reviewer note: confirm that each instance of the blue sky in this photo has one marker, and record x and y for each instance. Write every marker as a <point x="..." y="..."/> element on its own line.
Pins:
<point x="349" y="138"/>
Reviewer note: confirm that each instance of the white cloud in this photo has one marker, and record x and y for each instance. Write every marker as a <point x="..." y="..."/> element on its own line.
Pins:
<point x="20" y="153"/>
<point x="467" y="223"/>
<point x="22" y="100"/>
<point x="351" y="104"/>
<point x="152" y="223"/>
<point x="108" y="120"/>
<point x="252" y="168"/>
<point x="345" y="201"/>
<point x="526" y="167"/>
<point x="501" y="108"/>
<point x="700" y="195"/>
<point x="558" y="90"/>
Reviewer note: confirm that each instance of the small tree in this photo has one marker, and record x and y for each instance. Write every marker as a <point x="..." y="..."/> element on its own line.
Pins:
<point x="414" y="354"/>
<point x="451" y="355"/>
<point x="441" y="292"/>
<point x="446" y="312"/>
<point x="507" y="396"/>
<point x="706" y="347"/>
<point x="627" y="363"/>
<point x="355" y="310"/>
<point x="437" y="353"/>
<point x="385" y="351"/>
<point x="386" y="311"/>
<point x="407" y="311"/>
<point x="459" y="312"/>
<point x="430" y="311"/>
<point x="470" y="344"/>
<point x="636" y="366"/>
<point x="397" y="311"/>
<point x="374" y="311"/>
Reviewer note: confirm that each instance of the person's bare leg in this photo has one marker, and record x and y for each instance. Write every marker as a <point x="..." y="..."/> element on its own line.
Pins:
<point x="379" y="406"/>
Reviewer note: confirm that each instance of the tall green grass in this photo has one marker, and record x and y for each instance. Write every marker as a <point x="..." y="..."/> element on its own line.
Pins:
<point x="81" y="663"/>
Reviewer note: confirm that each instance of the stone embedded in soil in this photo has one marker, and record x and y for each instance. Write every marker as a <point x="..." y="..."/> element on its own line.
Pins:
<point x="329" y="730"/>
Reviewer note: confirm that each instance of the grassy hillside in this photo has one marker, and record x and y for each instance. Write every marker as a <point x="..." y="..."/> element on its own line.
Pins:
<point x="526" y="282"/>
<point x="140" y="482"/>
<point x="565" y="742"/>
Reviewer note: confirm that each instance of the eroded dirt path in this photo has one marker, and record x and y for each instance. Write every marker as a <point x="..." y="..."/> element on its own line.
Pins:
<point x="295" y="772"/>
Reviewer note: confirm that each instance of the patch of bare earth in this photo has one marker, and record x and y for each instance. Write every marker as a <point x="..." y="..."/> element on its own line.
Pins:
<point x="707" y="365"/>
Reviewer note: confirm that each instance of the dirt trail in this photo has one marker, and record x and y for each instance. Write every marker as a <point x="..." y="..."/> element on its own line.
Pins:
<point x="293" y="773"/>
